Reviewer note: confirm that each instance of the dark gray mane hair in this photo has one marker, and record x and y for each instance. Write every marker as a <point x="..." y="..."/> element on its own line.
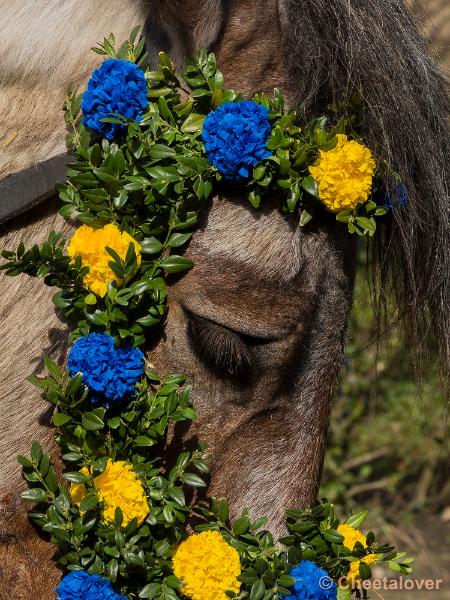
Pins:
<point x="375" y="47"/>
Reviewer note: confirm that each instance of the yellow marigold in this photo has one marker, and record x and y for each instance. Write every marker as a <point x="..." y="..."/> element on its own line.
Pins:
<point x="90" y="244"/>
<point x="344" y="175"/>
<point x="351" y="536"/>
<point x="353" y="572"/>
<point x="117" y="486"/>
<point x="208" y="567"/>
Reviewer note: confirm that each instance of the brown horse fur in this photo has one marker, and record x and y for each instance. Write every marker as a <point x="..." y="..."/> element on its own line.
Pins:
<point x="258" y="325"/>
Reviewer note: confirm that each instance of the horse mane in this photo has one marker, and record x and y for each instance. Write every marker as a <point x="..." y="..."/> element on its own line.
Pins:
<point x="338" y="46"/>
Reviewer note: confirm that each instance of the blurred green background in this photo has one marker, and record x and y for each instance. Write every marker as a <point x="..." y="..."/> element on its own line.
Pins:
<point x="388" y="446"/>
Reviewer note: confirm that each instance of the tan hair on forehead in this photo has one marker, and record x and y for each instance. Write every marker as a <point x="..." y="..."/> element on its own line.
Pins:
<point x="265" y="240"/>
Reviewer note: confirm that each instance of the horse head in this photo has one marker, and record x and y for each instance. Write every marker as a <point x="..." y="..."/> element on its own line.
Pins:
<point x="259" y="323"/>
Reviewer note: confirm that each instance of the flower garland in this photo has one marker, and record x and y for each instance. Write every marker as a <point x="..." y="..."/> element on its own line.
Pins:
<point x="146" y="161"/>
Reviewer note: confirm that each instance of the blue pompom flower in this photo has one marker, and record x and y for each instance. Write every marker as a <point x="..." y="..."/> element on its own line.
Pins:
<point x="116" y="86"/>
<point x="311" y="583"/>
<point x="235" y="137"/>
<point x="110" y="373"/>
<point x="80" y="585"/>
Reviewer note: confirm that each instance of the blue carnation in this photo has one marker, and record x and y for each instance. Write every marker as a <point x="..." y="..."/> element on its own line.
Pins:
<point x="235" y="137"/>
<point x="110" y="373"/>
<point x="311" y="583"/>
<point x="80" y="585"/>
<point x="117" y="86"/>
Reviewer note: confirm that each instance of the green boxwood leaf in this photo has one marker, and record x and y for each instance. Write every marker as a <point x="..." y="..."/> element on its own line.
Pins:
<point x="59" y="301"/>
<point x="151" y="245"/>
<point x="189" y="413"/>
<point x="72" y="457"/>
<point x="331" y="535"/>
<point x="51" y="480"/>
<point x="143" y="440"/>
<point x="258" y="590"/>
<point x="193" y="123"/>
<point x="105" y="175"/>
<point x="223" y="510"/>
<point x="286" y="581"/>
<point x="241" y="525"/>
<point x="90" y="299"/>
<point x="158" y="151"/>
<point x="364" y="570"/>
<point x="151" y="590"/>
<point x="193" y="480"/>
<point x="114" y="422"/>
<point x="53" y="368"/>
<point x="60" y="419"/>
<point x="35" y="495"/>
<point x="305" y="217"/>
<point x="176" y="264"/>
<point x="88" y="503"/>
<point x="358" y="519"/>
<point x="91" y="421"/>
<point x="164" y="173"/>
<point x="36" y="451"/>
<point x="24" y="461"/>
<point x="119" y="163"/>
<point x="177" y="495"/>
<point x="367" y="224"/>
<point x="309" y="184"/>
<point x="178" y="239"/>
<point x="344" y="216"/>
<point x="75" y="477"/>
<point x="173" y="582"/>
<point x="254" y="199"/>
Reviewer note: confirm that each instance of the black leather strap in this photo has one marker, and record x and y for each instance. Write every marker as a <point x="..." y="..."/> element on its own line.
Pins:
<point x="28" y="188"/>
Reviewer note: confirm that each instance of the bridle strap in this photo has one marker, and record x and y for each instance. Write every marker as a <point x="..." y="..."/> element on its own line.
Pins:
<point x="28" y="188"/>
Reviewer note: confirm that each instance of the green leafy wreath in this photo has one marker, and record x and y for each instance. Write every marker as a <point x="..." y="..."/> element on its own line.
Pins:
<point x="137" y="185"/>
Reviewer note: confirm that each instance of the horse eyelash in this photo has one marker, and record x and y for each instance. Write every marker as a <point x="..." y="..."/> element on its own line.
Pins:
<point x="220" y="348"/>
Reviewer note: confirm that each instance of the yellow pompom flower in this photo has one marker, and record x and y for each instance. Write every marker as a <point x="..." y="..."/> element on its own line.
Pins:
<point x="117" y="486"/>
<point x="351" y="536"/>
<point x="90" y="244"/>
<point x="344" y="175"/>
<point x="208" y="567"/>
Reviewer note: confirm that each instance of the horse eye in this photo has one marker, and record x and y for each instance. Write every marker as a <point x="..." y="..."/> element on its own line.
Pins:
<point x="221" y="349"/>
